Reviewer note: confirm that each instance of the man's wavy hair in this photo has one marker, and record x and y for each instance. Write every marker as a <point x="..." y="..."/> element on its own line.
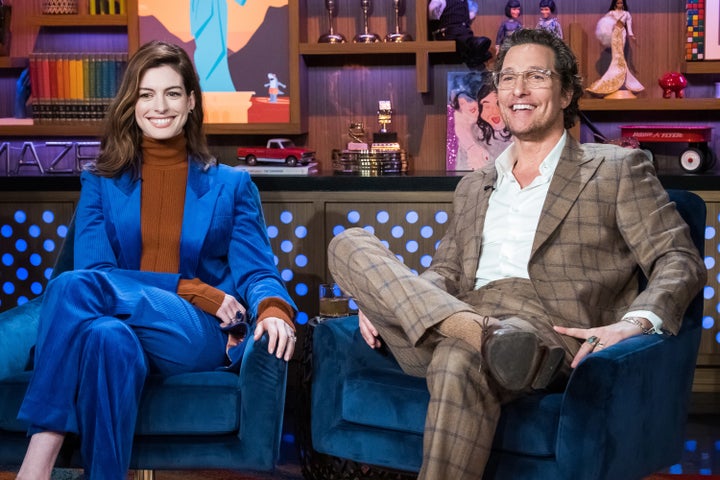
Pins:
<point x="121" y="143"/>
<point x="566" y="65"/>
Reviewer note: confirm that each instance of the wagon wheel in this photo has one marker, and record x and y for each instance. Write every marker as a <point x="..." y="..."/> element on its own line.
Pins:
<point x="692" y="160"/>
<point x="251" y="160"/>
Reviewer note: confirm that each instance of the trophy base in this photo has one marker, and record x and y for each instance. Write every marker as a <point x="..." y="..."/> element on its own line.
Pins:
<point x="385" y="137"/>
<point x="366" y="38"/>
<point x="332" y="38"/>
<point x="357" y="146"/>
<point x="398" y="37"/>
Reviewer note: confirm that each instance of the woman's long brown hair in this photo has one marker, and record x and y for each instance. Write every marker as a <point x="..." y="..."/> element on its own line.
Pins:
<point x="120" y="145"/>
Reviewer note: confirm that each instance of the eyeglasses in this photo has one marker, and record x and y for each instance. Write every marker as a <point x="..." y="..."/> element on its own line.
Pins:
<point x="533" y="78"/>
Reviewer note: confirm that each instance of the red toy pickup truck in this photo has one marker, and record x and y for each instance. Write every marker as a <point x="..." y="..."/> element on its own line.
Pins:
<point x="277" y="150"/>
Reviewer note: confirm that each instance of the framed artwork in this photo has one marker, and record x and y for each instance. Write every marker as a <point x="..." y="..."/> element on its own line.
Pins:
<point x="476" y="133"/>
<point x="245" y="58"/>
<point x="712" y="30"/>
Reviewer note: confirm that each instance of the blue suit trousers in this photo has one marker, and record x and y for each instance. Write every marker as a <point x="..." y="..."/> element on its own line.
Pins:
<point x="99" y="336"/>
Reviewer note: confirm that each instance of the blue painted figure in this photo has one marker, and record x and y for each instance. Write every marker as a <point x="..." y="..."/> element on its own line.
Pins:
<point x="170" y="248"/>
<point x="548" y="20"/>
<point x="274" y="87"/>
<point x="209" y="25"/>
<point x="513" y="10"/>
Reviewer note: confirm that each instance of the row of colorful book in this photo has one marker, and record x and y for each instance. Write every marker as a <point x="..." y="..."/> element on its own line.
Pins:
<point x="74" y="86"/>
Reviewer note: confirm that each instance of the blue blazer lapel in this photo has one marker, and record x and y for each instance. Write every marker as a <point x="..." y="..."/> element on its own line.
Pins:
<point x="200" y="198"/>
<point x="123" y="196"/>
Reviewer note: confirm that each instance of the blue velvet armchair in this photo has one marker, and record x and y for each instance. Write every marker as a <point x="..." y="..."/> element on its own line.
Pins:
<point x="622" y="415"/>
<point x="208" y="420"/>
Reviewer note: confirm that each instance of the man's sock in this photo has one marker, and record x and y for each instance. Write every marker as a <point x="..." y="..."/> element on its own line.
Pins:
<point x="467" y="326"/>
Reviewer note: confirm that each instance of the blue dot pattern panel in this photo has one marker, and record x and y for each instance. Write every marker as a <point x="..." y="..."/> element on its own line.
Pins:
<point x="31" y="235"/>
<point x="299" y="254"/>
<point x="710" y="342"/>
<point x="411" y="230"/>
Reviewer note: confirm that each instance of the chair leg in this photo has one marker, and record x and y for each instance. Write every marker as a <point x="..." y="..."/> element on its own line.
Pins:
<point x="144" y="475"/>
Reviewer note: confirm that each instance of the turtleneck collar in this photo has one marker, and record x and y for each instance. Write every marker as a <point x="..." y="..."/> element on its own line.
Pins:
<point x="166" y="152"/>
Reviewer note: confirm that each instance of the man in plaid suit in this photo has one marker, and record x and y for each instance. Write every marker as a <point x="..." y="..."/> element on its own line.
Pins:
<point x="539" y="266"/>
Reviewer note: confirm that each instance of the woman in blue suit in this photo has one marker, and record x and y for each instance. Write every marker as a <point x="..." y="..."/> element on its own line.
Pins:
<point x="169" y="249"/>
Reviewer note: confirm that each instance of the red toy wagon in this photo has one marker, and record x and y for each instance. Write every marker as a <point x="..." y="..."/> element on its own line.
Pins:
<point x="696" y="158"/>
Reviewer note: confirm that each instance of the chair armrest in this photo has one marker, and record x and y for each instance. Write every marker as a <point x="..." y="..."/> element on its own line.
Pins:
<point x="262" y="383"/>
<point x="18" y="332"/>
<point x="638" y="392"/>
<point x="332" y="342"/>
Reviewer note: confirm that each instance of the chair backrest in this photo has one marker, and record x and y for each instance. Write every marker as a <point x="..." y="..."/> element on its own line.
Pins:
<point x="64" y="260"/>
<point x="693" y="210"/>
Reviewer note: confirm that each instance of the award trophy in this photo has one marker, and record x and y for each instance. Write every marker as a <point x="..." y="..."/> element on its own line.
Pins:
<point x="366" y="37"/>
<point x="356" y="130"/>
<point x="331" y="36"/>
<point x="398" y="36"/>
<point x="384" y="140"/>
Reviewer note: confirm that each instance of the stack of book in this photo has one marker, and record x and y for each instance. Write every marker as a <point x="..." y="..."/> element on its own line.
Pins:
<point x="73" y="86"/>
<point x="279" y="169"/>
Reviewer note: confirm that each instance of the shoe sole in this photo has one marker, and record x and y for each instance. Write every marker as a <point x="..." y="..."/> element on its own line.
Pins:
<point x="517" y="360"/>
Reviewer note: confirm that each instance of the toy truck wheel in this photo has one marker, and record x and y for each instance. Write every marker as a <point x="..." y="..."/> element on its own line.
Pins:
<point x="692" y="160"/>
<point x="291" y="161"/>
<point x="251" y="160"/>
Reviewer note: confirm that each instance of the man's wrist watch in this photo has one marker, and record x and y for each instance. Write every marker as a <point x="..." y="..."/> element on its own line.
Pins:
<point x="638" y="322"/>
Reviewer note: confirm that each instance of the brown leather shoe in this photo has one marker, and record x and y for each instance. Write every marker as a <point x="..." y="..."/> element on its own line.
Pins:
<point x="516" y="358"/>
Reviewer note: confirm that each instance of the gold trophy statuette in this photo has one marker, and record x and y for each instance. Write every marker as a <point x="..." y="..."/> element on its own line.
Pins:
<point x="366" y="36"/>
<point x="331" y="36"/>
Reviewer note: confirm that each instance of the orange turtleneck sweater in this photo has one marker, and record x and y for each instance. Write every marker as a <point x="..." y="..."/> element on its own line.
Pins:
<point x="162" y="203"/>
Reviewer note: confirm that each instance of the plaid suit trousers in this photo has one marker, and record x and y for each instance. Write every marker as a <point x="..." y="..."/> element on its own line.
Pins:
<point x="464" y="402"/>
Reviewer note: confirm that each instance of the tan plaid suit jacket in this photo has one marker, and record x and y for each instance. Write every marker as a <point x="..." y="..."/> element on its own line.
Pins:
<point x="605" y="213"/>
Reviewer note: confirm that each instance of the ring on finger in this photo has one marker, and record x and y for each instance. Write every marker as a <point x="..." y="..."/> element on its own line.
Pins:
<point x="592" y="340"/>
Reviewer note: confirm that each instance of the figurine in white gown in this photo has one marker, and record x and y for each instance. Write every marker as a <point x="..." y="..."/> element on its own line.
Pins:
<point x="612" y="30"/>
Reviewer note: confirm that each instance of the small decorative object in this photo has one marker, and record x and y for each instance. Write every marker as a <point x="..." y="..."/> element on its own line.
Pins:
<point x="513" y="10"/>
<point x="331" y="36"/>
<point x="366" y="36"/>
<point x="59" y="7"/>
<point x="454" y="18"/>
<point x="548" y="20"/>
<point x="673" y="82"/>
<point x="398" y="36"/>
<point x="356" y="131"/>
<point x="612" y="30"/>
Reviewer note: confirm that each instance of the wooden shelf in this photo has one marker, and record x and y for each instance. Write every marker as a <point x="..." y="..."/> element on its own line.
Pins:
<point x="13" y="62"/>
<point x="702" y="67"/>
<point x="376" y="48"/>
<point x="79" y="20"/>
<point x="649" y="104"/>
<point x="421" y="50"/>
<point x="21" y="128"/>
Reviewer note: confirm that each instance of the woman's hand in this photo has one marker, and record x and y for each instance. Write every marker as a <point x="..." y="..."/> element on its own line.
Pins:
<point x="281" y="335"/>
<point x="368" y="331"/>
<point x="598" y="338"/>
<point x="228" y="311"/>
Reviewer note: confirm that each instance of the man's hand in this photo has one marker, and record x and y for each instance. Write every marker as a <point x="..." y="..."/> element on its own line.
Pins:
<point x="603" y="337"/>
<point x="368" y="331"/>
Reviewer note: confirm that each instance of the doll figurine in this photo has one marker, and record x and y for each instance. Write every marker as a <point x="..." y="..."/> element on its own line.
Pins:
<point x="507" y="27"/>
<point x="454" y="18"/>
<point x="612" y="30"/>
<point x="548" y="20"/>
